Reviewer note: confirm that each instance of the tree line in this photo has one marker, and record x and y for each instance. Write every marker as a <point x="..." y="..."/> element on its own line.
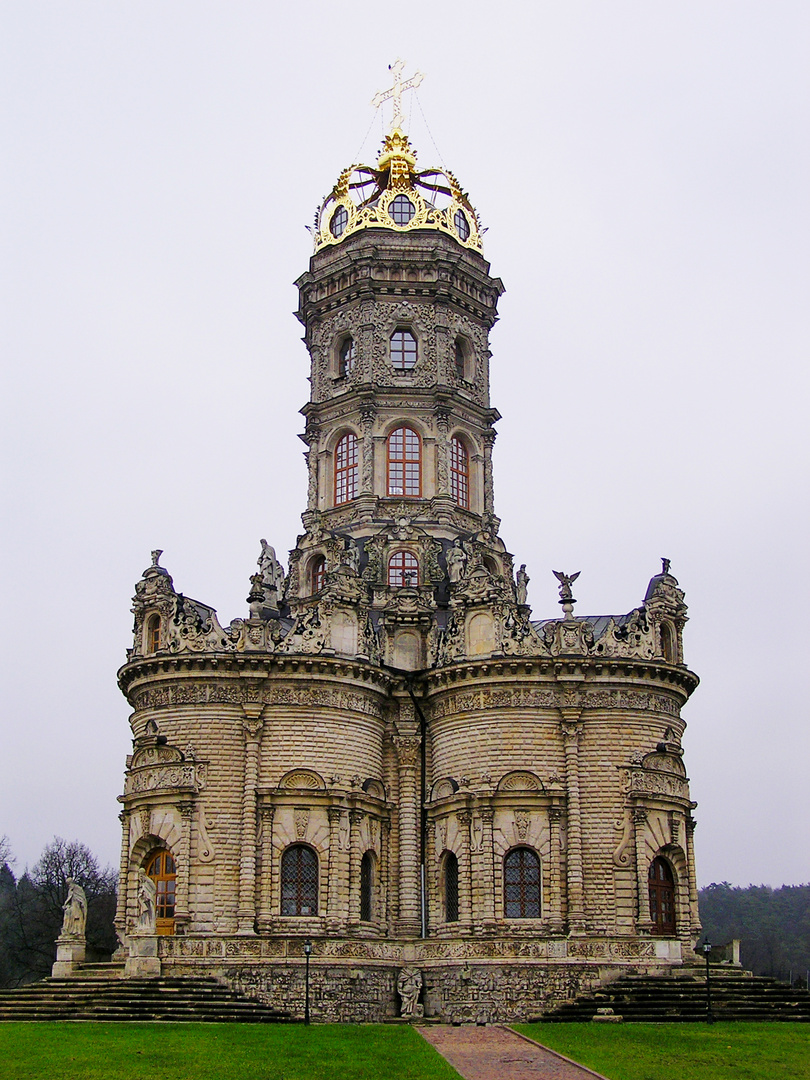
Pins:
<point x="773" y="926"/>
<point x="31" y="909"/>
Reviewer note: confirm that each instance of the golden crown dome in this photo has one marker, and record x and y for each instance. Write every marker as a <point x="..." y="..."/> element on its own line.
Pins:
<point x="398" y="197"/>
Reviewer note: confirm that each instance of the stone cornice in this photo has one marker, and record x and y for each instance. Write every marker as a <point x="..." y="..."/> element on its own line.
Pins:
<point x="249" y="672"/>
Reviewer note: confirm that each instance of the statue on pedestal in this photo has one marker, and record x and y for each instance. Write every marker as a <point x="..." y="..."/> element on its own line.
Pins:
<point x="75" y="909"/>
<point x="147" y="903"/>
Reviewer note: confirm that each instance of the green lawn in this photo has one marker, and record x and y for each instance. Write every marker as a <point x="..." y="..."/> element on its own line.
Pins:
<point x="56" y="1051"/>
<point x="682" y="1051"/>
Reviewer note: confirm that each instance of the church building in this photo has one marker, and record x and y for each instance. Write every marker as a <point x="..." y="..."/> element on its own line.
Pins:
<point x="388" y="773"/>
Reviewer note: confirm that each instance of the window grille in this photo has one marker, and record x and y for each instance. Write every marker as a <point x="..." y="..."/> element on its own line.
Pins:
<point x="522" y="884"/>
<point x="299" y="881"/>
<point x="366" y="886"/>
<point x="450" y="887"/>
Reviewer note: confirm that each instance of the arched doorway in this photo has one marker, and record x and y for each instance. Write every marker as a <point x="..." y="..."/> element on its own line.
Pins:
<point x="161" y="868"/>
<point x="662" y="897"/>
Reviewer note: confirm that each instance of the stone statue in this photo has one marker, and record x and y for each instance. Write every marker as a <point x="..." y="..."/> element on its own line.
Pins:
<point x="147" y="903"/>
<point x="351" y="556"/>
<point x="409" y="987"/>
<point x="566" y="581"/>
<point x="522" y="585"/>
<point x="270" y="568"/>
<point x="665" y="565"/>
<point x="75" y="909"/>
<point x="456" y="561"/>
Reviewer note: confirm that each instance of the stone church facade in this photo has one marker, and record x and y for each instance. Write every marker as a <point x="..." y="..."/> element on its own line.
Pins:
<point x="388" y="757"/>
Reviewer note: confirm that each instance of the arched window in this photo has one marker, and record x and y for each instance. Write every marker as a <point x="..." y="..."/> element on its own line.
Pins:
<point x="346" y="357"/>
<point x="317" y="573"/>
<point x="461" y="360"/>
<point x="299" y="881"/>
<point x="403" y="570"/>
<point x="459" y="472"/>
<point x="403" y="350"/>
<point x="450" y="887"/>
<point x="521" y="884"/>
<point x="404" y="463"/>
<point x="668" y="643"/>
<point x="346" y="469"/>
<point x="367" y="887"/>
<point x="662" y="897"/>
<point x="153" y="634"/>
<point x="162" y="870"/>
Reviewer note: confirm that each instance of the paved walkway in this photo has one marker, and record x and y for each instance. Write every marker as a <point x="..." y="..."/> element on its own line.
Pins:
<point x="495" y="1053"/>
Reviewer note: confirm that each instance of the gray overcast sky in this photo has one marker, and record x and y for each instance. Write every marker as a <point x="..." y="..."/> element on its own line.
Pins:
<point x="643" y="169"/>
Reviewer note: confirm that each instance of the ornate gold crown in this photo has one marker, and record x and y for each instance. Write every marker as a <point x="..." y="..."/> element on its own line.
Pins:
<point x="396" y="196"/>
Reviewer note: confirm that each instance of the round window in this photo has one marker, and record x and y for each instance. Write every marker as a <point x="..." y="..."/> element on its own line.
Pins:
<point x="401" y="210"/>
<point x="340" y="220"/>
<point x="462" y="225"/>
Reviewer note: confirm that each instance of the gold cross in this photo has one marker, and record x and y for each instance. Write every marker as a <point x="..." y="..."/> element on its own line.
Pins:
<point x="395" y="92"/>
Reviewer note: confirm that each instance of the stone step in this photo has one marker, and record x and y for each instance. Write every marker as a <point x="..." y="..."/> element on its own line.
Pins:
<point x="682" y="996"/>
<point x="101" y="997"/>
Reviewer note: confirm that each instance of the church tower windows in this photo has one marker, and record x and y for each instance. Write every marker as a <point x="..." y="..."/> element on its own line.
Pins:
<point x="403" y="350"/>
<point x="521" y="884"/>
<point x="403" y="570"/>
<point x="401" y="210"/>
<point x="299" y="881"/>
<point x="404" y="463"/>
<point x="317" y="573"/>
<point x="459" y="473"/>
<point x="346" y="469"/>
<point x="461" y="352"/>
<point x="347" y="353"/>
<point x="153" y="633"/>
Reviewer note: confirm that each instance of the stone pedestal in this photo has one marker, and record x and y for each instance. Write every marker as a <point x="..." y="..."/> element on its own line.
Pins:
<point x="143" y="960"/>
<point x="70" y="954"/>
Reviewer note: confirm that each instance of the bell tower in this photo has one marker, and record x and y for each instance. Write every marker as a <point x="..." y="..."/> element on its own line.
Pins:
<point x="397" y="306"/>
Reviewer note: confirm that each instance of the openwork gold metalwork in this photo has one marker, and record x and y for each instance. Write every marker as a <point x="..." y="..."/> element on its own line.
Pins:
<point x="362" y="197"/>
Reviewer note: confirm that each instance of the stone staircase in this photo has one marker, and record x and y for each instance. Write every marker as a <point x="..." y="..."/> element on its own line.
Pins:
<point x="681" y="997"/>
<point x="100" y="992"/>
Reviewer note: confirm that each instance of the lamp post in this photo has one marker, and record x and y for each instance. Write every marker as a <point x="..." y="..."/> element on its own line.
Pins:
<point x="707" y="948"/>
<point x="307" y="953"/>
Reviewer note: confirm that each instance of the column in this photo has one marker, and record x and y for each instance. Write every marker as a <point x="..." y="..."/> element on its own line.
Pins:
<point x="367" y="415"/>
<point x="571" y="732"/>
<point x="643" y="920"/>
<point x="181" y="909"/>
<point x="464" y="873"/>
<point x="312" y="436"/>
<point x="432" y="870"/>
<point x="264" y="903"/>
<point x="694" y="916"/>
<point x="410" y="917"/>
<point x="484" y="870"/>
<point x="252" y="727"/>
<point x="489" y="494"/>
<point x="123" y="877"/>
<point x="442" y="449"/>
<point x="554" y="911"/>
<point x="355" y="855"/>
<point x="385" y="873"/>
